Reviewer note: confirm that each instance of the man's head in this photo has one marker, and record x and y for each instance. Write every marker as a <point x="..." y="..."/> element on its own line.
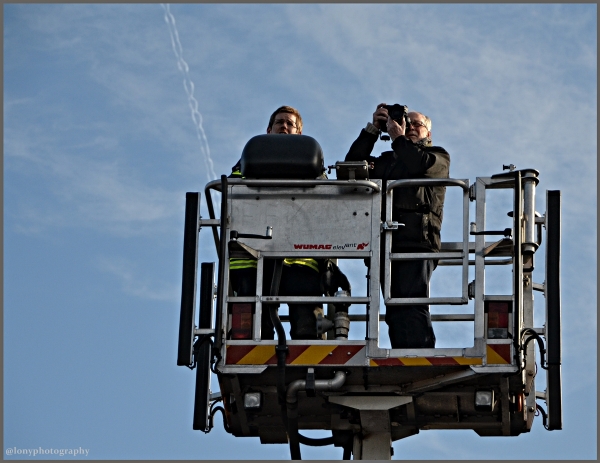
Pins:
<point x="420" y="127"/>
<point x="285" y="120"/>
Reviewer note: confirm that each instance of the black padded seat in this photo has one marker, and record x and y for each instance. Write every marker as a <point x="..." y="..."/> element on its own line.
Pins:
<point x="277" y="156"/>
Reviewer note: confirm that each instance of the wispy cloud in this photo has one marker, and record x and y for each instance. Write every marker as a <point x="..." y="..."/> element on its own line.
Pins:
<point x="136" y="282"/>
<point x="83" y="190"/>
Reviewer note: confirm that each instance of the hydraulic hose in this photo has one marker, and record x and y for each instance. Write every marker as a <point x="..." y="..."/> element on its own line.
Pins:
<point x="289" y="400"/>
<point x="292" y="410"/>
<point x="281" y="348"/>
<point x="315" y="442"/>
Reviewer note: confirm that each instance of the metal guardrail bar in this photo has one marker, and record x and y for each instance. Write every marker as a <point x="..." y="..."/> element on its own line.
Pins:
<point x="322" y="254"/>
<point x="425" y="301"/>
<point x="308" y="299"/>
<point x="426" y="255"/>
<point x="458" y="246"/>
<point x="472" y="262"/>
<point x="215" y="184"/>
<point x="428" y="182"/>
<point x="453" y="253"/>
<point x="435" y="318"/>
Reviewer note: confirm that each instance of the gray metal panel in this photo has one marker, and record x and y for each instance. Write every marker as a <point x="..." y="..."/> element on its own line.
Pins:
<point x="315" y="219"/>
<point x="320" y="219"/>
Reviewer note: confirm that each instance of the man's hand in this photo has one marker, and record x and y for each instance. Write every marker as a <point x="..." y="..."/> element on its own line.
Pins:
<point x="394" y="129"/>
<point x="380" y="116"/>
<point x="332" y="278"/>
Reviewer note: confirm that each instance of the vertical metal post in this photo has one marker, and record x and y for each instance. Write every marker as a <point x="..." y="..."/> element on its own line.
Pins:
<point x="529" y="183"/>
<point x="374" y="280"/>
<point x="221" y="288"/>
<point x="466" y="239"/>
<point x="517" y="266"/>
<point x="188" y="284"/>
<point x="377" y="435"/>
<point x="203" y="351"/>
<point x="529" y="247"/>
<point x="258" y="307"/>
<point x="480" y="211"/>
<point x="384" y="263"/>
<point x="553" y="310"/>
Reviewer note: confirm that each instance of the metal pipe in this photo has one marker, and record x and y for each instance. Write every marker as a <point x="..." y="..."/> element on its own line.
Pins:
<point x="221" y="268"/>
<point x="428" y="182"/>
<point x="295" y="183"/>
<point x="320" y="385"/>
<point x="518" y="266"/>
<point x="529" y="183"/>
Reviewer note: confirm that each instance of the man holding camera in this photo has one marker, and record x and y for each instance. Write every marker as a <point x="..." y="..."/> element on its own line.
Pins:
<point x="420" y="209"/>
<point x="300" y="276"/>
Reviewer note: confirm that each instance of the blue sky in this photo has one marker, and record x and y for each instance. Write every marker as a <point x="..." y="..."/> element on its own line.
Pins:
<point x="102" y="139"/>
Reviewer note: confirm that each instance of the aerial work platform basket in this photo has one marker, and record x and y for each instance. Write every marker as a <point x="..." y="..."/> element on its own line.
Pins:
<point x="369" y="395"/>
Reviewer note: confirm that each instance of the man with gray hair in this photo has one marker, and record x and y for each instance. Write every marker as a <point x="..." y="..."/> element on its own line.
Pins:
<point x="420" y="209"/>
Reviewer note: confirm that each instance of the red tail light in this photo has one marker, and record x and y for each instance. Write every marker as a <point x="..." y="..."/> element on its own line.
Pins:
<point x="241" y="321"/>
<point x="497" y="311"/>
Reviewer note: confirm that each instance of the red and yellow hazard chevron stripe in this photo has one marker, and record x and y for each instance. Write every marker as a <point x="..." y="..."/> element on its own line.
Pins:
<point x="297" y="355"/>
<point x="498" y="354"/>
<point x="425" y="361"/>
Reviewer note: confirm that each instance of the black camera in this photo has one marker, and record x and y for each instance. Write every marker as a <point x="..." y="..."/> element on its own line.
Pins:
<point x="397" y="112"/>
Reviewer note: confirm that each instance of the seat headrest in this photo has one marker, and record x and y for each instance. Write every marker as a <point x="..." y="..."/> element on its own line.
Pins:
<point x="282" y="156"/>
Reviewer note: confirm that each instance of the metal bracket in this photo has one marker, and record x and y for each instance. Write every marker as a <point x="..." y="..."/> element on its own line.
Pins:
<point x="200" y="331"/>
<point x="539" y="287"/>
<point x="472" y="194"/>
<point x="506" y="232"/>
<point x="387" y="226"/>
<point x="215" y="396"/>
<point x="234" y="235"/>
<point x="310" y="383"/>
<point x="209" y="223"/>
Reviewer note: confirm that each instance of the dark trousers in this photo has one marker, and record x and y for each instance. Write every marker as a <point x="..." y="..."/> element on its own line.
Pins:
<point x="296" y="280"/>
<point x="409" y="326"/>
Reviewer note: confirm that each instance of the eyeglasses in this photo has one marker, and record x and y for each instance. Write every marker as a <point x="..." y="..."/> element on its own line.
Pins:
<point x="284" y="122"/>
<point x="417" y="124"/>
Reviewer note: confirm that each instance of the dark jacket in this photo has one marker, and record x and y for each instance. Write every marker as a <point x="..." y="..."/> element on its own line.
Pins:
<point x="420" y="209"/>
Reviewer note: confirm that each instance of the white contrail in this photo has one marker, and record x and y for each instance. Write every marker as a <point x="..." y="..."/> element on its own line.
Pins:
<point x="188" y="85"/>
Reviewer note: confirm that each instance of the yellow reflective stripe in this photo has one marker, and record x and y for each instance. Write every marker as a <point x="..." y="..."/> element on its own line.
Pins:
<point x="252" y="263"/>
<point x="238" y="173"/>
<point x="257" y="356"/>
<point x="313" y="355"/>
<point x="308" y="262"/>
<point x="235" y="264"/>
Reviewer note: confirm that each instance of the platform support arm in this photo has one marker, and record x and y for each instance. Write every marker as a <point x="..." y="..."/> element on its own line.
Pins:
<point x="553" y="310"/>
<point x="188" y="284"/>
